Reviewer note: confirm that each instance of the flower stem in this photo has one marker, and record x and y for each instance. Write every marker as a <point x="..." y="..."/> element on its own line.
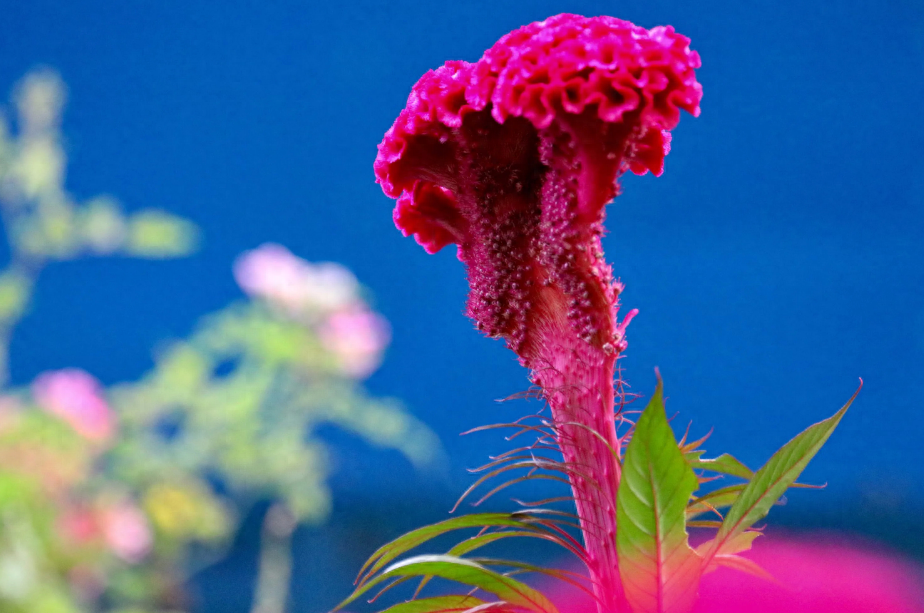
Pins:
<point x="275" y="570"/>
<point x="578" y="385"/>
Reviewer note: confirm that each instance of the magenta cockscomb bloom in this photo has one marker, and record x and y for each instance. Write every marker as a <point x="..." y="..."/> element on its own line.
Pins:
<point x="816" y="576"/>
<point x="513" y="158"/>
<point x="810" y="576"/>
<point x="76" y="397"/>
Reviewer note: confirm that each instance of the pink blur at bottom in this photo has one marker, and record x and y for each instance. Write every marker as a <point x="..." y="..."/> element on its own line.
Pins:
<point x="813" y="575"/>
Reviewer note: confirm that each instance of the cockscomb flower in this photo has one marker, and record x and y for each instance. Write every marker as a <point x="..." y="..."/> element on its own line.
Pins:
<point x="76" y="397"/>
<point x="513" y="158"/>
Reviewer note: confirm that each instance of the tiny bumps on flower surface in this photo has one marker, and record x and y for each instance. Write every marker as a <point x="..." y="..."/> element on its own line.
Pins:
<point x="514" y="157"/>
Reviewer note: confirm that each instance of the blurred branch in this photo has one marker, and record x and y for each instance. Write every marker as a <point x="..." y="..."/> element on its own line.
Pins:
<point x="275" y="565"/>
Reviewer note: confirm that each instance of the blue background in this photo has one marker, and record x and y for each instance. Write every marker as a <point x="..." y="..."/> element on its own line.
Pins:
<point x="778" y="259"/>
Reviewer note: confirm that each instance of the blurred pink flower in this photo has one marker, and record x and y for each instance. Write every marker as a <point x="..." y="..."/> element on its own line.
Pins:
<point x="78" y="525"/>
<point x="357" y="336"/>
<point x="273" y="273"/>
<point x="126" y="531"/>
<point x="815" y="576"/>
<point x="76" y="397"/>
<point x="812" y="576"/>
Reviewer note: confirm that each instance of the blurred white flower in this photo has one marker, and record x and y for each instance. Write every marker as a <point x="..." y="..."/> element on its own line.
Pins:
<point x="357" y="336"/>
<point x="273" y="273"/>
<point x="76" y="397"/>
<point x="39" y="167"/>
<point x="40" y="98"/>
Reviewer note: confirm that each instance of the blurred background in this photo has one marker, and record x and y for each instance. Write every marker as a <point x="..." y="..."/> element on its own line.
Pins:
<point x="181" y="430"/>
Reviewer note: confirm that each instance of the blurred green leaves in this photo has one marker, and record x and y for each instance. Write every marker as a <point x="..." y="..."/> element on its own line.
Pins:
<point x="45" y="222"/>
<point x="115" y="495"/>
<point x="15" y="288"/>
<point x="158" y="234"/>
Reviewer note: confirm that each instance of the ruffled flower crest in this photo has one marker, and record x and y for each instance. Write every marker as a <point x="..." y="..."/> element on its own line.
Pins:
<point x="514" y="157"/>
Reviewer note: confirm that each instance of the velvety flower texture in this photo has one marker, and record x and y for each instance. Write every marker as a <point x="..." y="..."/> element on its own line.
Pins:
<point x="513" y="159"/>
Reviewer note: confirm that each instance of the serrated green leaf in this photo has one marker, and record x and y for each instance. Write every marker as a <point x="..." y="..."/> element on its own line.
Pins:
<point x="401" y="545"/>
<point x="703" y="523"/>
<point x="744" y="565"/>
<point x="724" y="497"/>
<point x="462" y="571"/>
<point x="437" y="604"/>
<point x="734" y="545"/>
<point x="725" y="464"/>
<point x="741" y="542"/>
<point x="659" y="570"/>
<point x="769" y="483"/>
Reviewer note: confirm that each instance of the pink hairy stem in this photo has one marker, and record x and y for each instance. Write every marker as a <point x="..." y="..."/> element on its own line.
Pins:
<point x="579" y="390"/>
<point x="513" y="159"/>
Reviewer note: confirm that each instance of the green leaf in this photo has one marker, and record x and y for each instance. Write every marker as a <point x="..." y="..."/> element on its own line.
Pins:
<point x="703" y="523"/>
<point x="576" y="579"/>
<point x="102" y="225"/>
<point x="462" y="571"/>
<point x="158" y="234"/>
<point x="659" y="570"/>
<point x="735" y="545"/>
<point x="481" y="540"/>
<point x="401" y="545"/>
<point x="15" y="289"/>
<point x="778" y="474"/>
<point x="744" y="565"/>
<point x="725" y="464"/>
<point x="724" y="497"/>
<point x="437" y="604"/>
<point x="476" y="542"/>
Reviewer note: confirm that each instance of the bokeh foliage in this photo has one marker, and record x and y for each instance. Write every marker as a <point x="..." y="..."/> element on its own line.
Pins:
<point x="111" y="497"/>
